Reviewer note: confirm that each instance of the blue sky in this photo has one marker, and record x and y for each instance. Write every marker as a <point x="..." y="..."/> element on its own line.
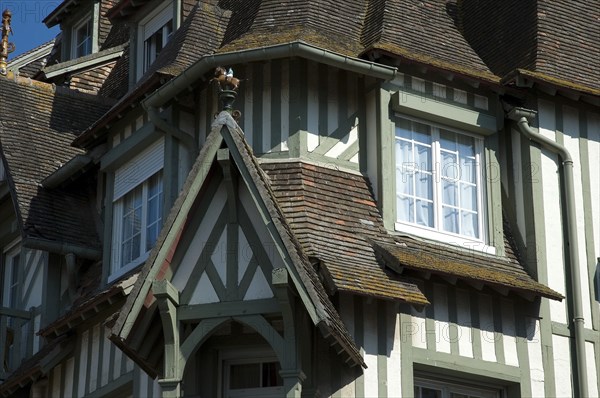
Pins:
<point x="29" y="31"/>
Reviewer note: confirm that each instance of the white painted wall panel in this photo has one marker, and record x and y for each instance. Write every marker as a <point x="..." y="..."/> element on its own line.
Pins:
<point x="259" y="287"/>
<point x="552" y="221"/>
<point x="571" y="142"/>
<point x="463" y="318"/>
<point x="285" y="104"/>
<point x="69" y="377"/>
<point x="105" y="358"/>
<point x="486" y="322"/>
<point x="562" y="366"/>
<point x="117" y="363"/>
<point x="394" y="362"/>
<point x="312" y="125"/>
<point x="442" y="324"/>
<point x="83" y="363"/>
<point x="188" y="261"/>
<point x="592" y="371"/>
<point x="219" y="256"/>
<point x="266" y="104"/>
<point x="204" y="292"/>
<point x="509" y="331"/>
<point x="371" y="348"/>
<point x="333" y="75"/>
<point x="244" y="254"/>
<point x="56" y="380"/>
<point x="94" y="358"/>
<point x="347" y="315"/>
<point x="259" y="227"/>
<point x="536" y="363"/>
<point x="417" y="330"/>
<point x="344" y="143"/>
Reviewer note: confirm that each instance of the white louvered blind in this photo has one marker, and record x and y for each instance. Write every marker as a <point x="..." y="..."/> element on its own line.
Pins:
<point x="139" y="169"/>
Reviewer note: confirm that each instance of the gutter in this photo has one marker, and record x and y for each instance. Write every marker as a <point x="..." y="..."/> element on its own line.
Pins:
<point x="62" y="248"/>
<point x="73" y="166"/>
<point x="521" y="116"/>
<point x="294" y="49"/>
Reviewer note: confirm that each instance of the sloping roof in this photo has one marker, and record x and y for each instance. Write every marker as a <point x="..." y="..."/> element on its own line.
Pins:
<point x="467" y="265"/>
<point x="38" y="365"/>
<point x="333" y="214"/>
<point x="31" y="62"/>
<point x="37" y="124"/>
<point x="226" y="129"/>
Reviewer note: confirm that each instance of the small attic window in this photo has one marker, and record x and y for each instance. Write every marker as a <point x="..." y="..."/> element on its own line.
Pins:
<point x="82" y="38"/>
<point x="153" y="34"/>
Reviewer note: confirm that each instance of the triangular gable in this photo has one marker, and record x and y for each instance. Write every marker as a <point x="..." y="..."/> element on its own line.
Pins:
<point x="255" y="278"/>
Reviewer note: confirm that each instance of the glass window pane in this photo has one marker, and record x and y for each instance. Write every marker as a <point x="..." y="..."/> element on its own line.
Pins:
<point x="270" y="374"/>
<point x="430" y="393"/>
<point x="404" y="183"/>
<point x="468" y="169"/>
<point x="244" y="376"/>
<point x="466" y="145"/>
<point x="423" y="157"/>
<point x="424" y="213"/>
<point x="450" y="167"/>
<point x="470" y="224"/>
<point x="450" y="219"/>
<point x="424" y="185"/>
<point x="403" y="129"/>
<point x="468" y="197"/>
<point x="404" y="158"/>
<point x="447" y="140"/>
<point x="405" y="208"/>
<point x="449" y="193"/>
<point x="421" y="133"/>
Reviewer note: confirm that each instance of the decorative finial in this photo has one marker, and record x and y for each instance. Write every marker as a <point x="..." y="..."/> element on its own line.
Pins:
<point x="5" y="47"/>
<point x="227" y="85"/>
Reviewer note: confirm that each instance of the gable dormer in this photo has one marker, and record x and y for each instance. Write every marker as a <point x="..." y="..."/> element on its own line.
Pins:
<point x="84" y="26"/>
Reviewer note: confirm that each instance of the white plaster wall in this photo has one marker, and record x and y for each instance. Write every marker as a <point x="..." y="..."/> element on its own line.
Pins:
<point x="486" y="322"/>
<point x="552" y="221"/>
<point x="536" y="363"/>
<point x="394" y="363"/>
<point x="562" y="366"/>
<point x="417" y="329"/>
<point x="370" y="348"/>
<point x="312" y="138"/>
<point x="285" y="104"/>
<point x="207" y="224"/>
<point x="509" y="334"/>
<point x="442" y="324"/>
<point x="463" y="317"/>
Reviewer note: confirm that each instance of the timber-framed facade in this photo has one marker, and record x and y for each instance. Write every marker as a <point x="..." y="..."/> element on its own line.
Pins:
<point x="303" y="199"/>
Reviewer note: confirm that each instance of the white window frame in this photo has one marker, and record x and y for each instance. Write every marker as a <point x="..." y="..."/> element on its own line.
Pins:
<point x="147" y="27"/>
<point x="246" y="356"/>
<point x="134" y="174"/>
<point x="84" y="21"/>
<point x="10" y="252"/>
<point x="447" y="387"/>
<point x="436" y="232"/>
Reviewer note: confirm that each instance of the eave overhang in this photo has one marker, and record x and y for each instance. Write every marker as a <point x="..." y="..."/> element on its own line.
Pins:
<point x="398" y="256"/>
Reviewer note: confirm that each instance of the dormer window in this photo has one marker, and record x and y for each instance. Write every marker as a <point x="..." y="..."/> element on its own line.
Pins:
<point x="438" y="181"/>
<point x="154" y="32"/>
<point x="82" y="38"/>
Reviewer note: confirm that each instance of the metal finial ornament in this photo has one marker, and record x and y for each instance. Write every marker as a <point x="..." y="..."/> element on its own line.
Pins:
<point x="228" y="86"/>
<point x="5" y="47"/>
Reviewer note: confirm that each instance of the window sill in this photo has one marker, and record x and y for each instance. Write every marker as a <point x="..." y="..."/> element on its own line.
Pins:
<point x="445" y="238"/>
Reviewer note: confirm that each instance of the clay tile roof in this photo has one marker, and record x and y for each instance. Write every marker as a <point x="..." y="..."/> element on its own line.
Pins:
<point x="333" y="214"/>
<point x="37" y="124"/>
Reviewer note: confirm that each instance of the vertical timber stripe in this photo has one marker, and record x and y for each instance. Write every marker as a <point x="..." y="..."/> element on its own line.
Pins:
<point x="475" y="330"/>
<point x="406" y="373"/>
<point x="394" y="342"/>
<point x="257" y="105"/>
<point x="83" y="362"/>
<point x="285" y="105"/>
<point x="267" y="111"/>
<point x="371" y="347"/>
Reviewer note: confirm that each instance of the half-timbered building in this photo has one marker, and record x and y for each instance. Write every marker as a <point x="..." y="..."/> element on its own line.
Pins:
<point x="381" y="198"/>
